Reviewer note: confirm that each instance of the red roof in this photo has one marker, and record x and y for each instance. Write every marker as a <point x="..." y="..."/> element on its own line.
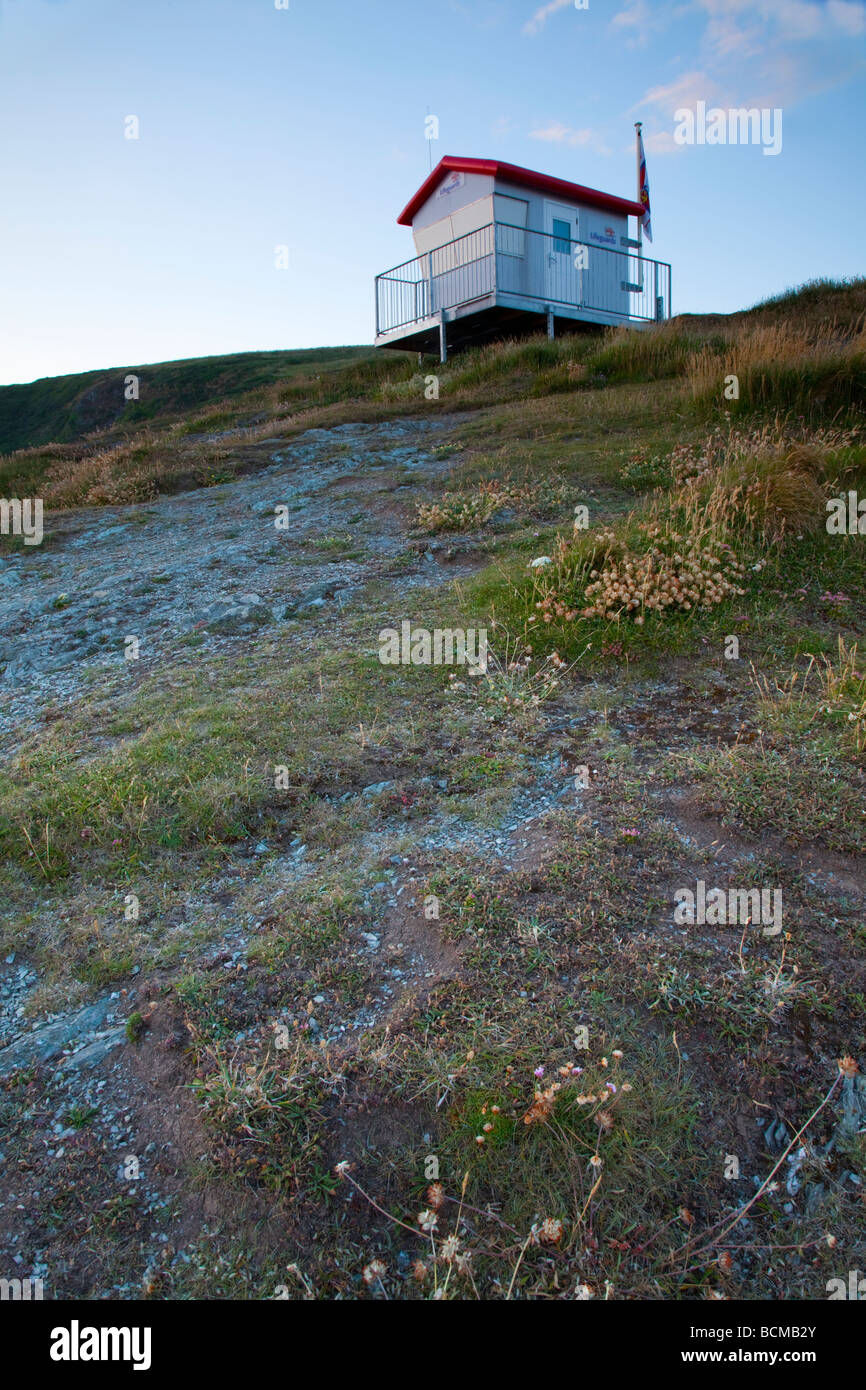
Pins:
<point x="526" y="178"/>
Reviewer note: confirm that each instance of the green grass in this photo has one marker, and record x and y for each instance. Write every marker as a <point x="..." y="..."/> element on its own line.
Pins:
<point x="66" y="408"/>
<point x="406" y="1039"/>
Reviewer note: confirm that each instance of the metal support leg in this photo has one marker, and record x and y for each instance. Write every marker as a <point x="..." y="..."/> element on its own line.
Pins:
<point x="443" y="340"/>
<point x="549" y="321"/>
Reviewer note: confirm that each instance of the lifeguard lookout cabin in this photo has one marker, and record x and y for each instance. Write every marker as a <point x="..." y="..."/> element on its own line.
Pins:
<point x="503" y="251"/>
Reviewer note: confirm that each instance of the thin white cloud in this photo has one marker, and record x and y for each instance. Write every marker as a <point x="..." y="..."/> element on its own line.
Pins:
<point x="791" y="21"/>
<point x="562" y="135"/>
<point x="798" y="19"/>
<point x="542" y="15"/>
<point x="685" y="91"/>
<point x="635" y="13"/>
<point x="558" y="134"/>
<point x="660" y="142"/>
<point x="847" y="16"/>
<point x="636" y="22"/>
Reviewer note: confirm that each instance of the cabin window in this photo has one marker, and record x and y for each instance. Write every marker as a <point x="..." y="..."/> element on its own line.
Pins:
<point x="511" y="214"/>
<point x="561" y="236"/>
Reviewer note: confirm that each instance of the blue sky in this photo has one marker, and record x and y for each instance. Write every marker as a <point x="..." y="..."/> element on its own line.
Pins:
<point x="304" y="127"/>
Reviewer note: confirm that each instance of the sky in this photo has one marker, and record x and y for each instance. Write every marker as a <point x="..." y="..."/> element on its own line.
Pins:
<point x="303" y="127"/>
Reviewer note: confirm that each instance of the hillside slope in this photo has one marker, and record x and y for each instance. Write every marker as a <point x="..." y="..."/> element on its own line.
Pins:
<point x="803" y="354"/>
<point x="65" y="408"/>
<point x="353" y="979"/>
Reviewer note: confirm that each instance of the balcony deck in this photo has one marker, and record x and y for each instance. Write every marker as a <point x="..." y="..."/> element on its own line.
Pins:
<point x="503" y="279"/>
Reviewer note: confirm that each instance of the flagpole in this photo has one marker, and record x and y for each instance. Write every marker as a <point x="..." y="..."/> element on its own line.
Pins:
<point x="637" y="130"/>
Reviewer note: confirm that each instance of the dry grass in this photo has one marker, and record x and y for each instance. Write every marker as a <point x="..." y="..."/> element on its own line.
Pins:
<point x="473" y="507"/>
<point x="686" y="550"/>
<point x="830" y="691"/>
<point x="816" y="370"/>
<point x="770" y="483"/>
<point x="804" y="358"/>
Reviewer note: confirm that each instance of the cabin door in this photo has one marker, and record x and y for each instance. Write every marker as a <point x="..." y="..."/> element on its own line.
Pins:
<point x="563" y="273"/>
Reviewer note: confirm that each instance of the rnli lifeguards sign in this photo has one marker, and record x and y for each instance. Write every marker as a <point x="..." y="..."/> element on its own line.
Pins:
<point x="454" y="180"/>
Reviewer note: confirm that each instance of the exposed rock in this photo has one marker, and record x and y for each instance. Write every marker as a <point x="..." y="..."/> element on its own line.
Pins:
<point x="41" y="1044"/>
<point x="235" y="615"/>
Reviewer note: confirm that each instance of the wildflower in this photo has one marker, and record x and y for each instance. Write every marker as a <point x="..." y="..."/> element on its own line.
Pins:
<point x="577" y="1071"/>
<point x="450" y="1248"/>
<point x="542" y="1105"/>
<point x="610" y="1086"/>
<point x="539" y="1071"/>
<point x="583" y="1292"/>
<point x="494" y="1110"/>
<point x="605" y="1119"/>
<point x="832" y="1241"/>
<point x="487" y="1128"/>
<point x="427" y="1220"/>
<point x="479" y="1138"/>
<point x="435" y="1195"/>
<point x="419" y="1271"/>
<point x="597" y="1162"/>
<point x="848" y="1067"/>
<point x="617" y="1053"/>
<point x="342" y="1168"/>
<point x="626" y="1086"/>
<point x="550" y="1230"/>
<point x="373" y="1271"/>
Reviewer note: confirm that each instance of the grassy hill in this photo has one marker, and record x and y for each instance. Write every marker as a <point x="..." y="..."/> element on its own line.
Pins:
<point x="74" y="440"/>
<point x="64" y="408"/>
<point x="203" y="394"/>
<point x="554" y="1084"/>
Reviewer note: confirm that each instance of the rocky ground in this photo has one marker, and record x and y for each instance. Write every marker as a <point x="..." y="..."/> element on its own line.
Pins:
<point x="210" y="561"/>
<point x="112" y="1182"/>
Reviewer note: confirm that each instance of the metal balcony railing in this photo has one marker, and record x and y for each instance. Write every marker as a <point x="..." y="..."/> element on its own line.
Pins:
<point x="532" y="265"/>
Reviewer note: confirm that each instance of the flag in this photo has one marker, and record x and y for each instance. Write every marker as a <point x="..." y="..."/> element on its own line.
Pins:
<point x="643" y="193"/>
